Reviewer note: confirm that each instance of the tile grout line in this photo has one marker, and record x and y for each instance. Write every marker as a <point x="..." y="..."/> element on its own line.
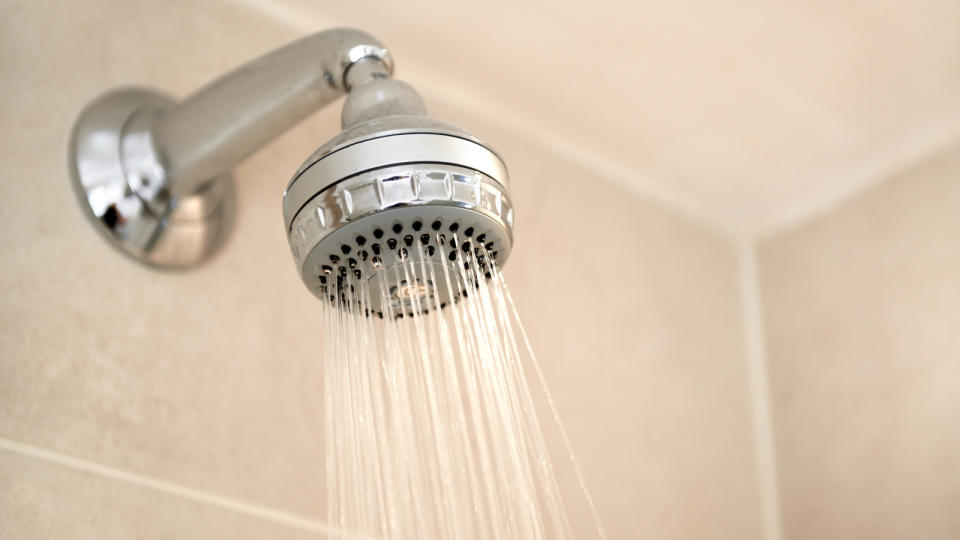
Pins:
<point x="609" y="170"/>
<point x="506" y="118"/>
<point x="759" y="391"/>
<point x="864" y="176"/>
<point x="280" y="517"/>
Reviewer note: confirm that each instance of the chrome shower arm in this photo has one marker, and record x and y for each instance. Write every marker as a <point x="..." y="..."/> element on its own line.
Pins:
<point x="154" y="173"/>
<point x="219" y="125"/>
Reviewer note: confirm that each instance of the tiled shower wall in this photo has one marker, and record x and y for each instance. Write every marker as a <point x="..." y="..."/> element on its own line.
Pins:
<point x="185" y="405"/>
<point x="136" y="403"/>
<point x="862" y="312"/>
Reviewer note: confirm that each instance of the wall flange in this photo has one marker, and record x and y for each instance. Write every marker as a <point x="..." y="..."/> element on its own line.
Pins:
<point x="121" y="185"/>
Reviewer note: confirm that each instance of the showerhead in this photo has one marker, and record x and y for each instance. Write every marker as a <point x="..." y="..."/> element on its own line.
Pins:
<point x="392" y="189"/>
<point x="395" y="186"/>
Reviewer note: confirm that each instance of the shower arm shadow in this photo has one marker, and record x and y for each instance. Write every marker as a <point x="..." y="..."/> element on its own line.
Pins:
<point x="154" y="173"/>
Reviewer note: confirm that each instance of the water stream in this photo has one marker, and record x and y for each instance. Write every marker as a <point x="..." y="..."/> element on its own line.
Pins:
<point x="430" y="423"/>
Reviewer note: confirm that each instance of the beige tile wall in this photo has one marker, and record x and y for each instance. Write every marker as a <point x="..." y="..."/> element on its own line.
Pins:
<point x="209" y="380"/>
<point x="44" y="500"/>
<point x="862" y="311"/>
<point x="193" y="378"/>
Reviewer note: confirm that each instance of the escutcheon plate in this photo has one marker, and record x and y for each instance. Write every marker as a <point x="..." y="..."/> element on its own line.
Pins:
<point x="120" y="181"/>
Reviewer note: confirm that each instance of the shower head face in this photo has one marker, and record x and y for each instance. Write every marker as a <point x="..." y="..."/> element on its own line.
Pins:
<point x="399" y="210"/>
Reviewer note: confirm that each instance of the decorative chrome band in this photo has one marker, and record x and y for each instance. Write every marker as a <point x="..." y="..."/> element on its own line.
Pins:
<point x="424" y="184"/>
<point x="402" y="148"/>
<point x="359" y="52"/>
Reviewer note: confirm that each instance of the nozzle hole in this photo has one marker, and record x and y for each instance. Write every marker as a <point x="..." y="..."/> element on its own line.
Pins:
<point x="378" y="233"/>
<point x="436" y="225"/>
<point x="417" y="225"/>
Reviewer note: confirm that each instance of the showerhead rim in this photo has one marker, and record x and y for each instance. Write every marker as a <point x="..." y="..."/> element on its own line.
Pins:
<point x="443" y="193"/>
<point x="344" y="158"/>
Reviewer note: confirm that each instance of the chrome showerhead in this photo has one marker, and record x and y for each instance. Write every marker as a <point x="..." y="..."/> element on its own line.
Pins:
<point x="395" y="189"/>
<point x="395" y="185"/>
